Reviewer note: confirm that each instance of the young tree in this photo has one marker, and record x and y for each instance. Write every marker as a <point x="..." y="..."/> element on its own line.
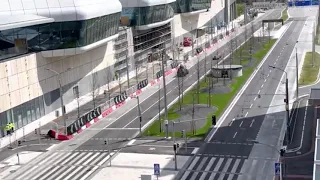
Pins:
<point x="108" y="76"/>
<point x="95" y="87"/>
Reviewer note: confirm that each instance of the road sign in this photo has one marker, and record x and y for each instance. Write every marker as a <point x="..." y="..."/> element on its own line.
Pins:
<point x="156" y="169"/>
<point x="277" y="169"/>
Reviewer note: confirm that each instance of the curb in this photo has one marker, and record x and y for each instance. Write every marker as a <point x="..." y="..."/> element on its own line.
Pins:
<point x="62" y="137"/>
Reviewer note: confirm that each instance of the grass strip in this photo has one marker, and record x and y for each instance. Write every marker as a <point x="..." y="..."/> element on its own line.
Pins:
<point x="220" y="101"/>
<point x="310" y="70"/>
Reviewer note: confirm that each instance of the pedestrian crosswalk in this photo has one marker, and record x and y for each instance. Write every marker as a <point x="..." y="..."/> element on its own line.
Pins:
<point x="64" y="166"/>
<point x="222" y="168"/>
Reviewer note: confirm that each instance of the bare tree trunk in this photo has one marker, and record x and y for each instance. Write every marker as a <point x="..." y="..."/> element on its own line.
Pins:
<point x="179" y="89"/>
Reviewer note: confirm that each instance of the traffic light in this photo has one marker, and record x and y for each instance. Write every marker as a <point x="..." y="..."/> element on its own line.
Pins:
<point x="282" y="151"/>
<point x="178" y="145"/>
<point x="174" y="147"/>
<point x="182" y="134"/>
<point x="214" y="120"/>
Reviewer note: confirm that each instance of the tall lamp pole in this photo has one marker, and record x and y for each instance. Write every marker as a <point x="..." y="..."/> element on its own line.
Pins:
<point x="164" y="86"/>
<point x="139" y="113"/>
<point x="63" y="109"/>
<point x="287" y="103"/>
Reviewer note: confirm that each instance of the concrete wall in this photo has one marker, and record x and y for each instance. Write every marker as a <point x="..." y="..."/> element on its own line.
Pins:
<point x="25" y="78"/>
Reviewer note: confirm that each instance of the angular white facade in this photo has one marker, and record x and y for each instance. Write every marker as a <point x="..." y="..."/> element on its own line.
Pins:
<point x="144" y="3"/>
<point x="61" y="10"/>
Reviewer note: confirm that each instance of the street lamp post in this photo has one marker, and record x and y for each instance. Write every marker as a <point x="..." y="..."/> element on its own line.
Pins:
<point x="139" y="113"/>
<point x="287" y="102"/>
<point x="164" y="87"/>
<point x="281" y="152"/>
<point x="63" y="110"/>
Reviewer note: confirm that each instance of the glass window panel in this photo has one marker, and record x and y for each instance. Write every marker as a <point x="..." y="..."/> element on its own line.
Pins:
<point x="23" y="113"/>
<point x="33" y="111"/>
<point x="9" y="116"/>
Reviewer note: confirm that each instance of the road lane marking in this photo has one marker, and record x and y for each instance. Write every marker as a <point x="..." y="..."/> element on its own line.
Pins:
<point x="246" y="114"/>
<point x="230" y="124"/>
<point x="241" y="124"/>
<point x="251" y="106"/>
<point x="255" y="98"/>
<point x="125" y="127"/>
<point x="259" y="91"/>
<point x="195" y="151"/>
<point x="131" y="142"/>
<point x="265" y="80"/>
<point x="252" y="122"/>
<point x="262" y="85"/>
<point x="235" y="134"/>
<point x="270" y="71"/>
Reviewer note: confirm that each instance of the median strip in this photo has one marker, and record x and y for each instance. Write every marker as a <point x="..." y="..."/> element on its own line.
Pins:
<point x="200" y="106"/>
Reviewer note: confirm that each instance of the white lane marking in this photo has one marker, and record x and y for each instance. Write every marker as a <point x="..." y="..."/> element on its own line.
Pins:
<point x="268" y="75"/>
<point x="270" y="71"/>
<point x="131" y="142"/>
<point x="275" y="63"/>
<point x="252" y="122"/>
<point x="255" y="98"/>
<point x="246" y="114"/>
<point x="235" y="134"/>
<point x="230" y="124"/>
<point x="241" y="124"/>
<point x="251" y="106"/>
<point x="259" y="92"/>
<point x="265" y="80"/>
<point x="262" y="85"/>
<point x="195" y="151"/>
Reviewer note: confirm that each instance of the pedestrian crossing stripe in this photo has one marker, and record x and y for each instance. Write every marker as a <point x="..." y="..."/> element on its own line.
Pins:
<point x="222" y="168"/>
<point x="64" y="166"/>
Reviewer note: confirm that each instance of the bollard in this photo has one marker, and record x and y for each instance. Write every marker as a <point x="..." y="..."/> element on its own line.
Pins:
<point x="167" y="130"/>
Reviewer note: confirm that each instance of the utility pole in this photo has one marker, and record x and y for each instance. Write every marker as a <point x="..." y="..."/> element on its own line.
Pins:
<point x="313" y="44"/>
<point x="287" y="109"/>
<point x="179" y="90"/>
<point x="164" y="87"/>
<point x="251" y="43"/>
<point x="297" y="75"/>
<point x="198" y="81"/>
<point x="127" y="64"/>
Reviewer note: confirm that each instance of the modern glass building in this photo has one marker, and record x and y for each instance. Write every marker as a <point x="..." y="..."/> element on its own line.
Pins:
<point x="69" y="37"/>
<point x="187" y="6"/>
<point x="78" y="38"/>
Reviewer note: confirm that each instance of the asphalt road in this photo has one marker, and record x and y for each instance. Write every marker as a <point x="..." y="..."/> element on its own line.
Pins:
<point x="128" y="124"/>
<point x="231" y="152"/>
<point x="299" y="160"/>
<point x="94" y="151"/>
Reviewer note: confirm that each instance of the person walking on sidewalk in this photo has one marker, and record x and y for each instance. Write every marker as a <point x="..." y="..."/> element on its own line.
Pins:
<point x="9" y="128"/>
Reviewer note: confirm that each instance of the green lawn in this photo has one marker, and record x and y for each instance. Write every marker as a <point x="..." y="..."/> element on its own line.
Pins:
<point x="285" y="14"/>
<point x="240" y="9"/>
<point x="220" y="101"/>
<point x="309" y="73"/>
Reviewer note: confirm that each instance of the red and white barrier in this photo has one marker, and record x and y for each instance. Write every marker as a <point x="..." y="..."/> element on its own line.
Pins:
<point x="105" y="113"/>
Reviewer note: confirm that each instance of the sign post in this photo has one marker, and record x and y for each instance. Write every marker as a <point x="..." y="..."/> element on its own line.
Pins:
<point x="156" y="170"/>
<point x="277" y="170"/>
